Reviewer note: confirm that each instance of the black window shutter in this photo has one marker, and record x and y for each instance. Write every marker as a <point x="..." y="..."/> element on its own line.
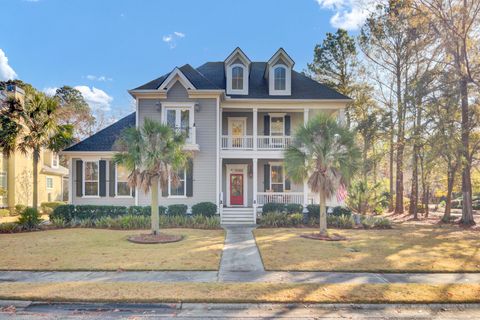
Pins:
<point x="79" y="177"/>
<point x="266" y="177"/>
<point x="111" y="178"/>
<point x="266" y="125"/>
<point x="287" y="125"/>
<point x="189" y="179"/>
<point x="103" y="177"/>
<point x="288" y="184"/>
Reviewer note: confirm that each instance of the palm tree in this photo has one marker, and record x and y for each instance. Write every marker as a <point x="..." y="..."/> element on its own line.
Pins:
<point x="325" y="153"/>
<point x="31" y="128"/>
<point x="152" y="154"/>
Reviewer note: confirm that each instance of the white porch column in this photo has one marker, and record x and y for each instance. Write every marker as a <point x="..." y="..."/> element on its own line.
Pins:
<point x="219" y="201"/>
<point x="255" y="128"/>
<point x="255" y="179"/>
<point x="70" y="180"/>
<point x="341" y="116"/>
<point x="305" y="184"/>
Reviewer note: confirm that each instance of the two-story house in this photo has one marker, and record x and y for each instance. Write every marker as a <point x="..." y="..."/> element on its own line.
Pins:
<point x="239" y="116"/>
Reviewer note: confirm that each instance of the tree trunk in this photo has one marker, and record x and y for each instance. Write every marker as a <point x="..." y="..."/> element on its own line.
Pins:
<point x="390" y="201"/>
<point x="155" y="216"/>
<point x="426" y="199"/>
<point x="448" y="201"/>
<point x="323" y="215"/>
<point x="467" y="212"/>
<point x="364" y="159"/>
<point x="36" y="158"/>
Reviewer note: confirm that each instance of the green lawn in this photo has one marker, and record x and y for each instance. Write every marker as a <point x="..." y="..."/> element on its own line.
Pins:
<point x="99" y="249"/>
<point x="405" y="248"/>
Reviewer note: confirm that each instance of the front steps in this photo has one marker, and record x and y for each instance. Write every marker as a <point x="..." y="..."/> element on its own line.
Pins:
<point x="238" y="216"/>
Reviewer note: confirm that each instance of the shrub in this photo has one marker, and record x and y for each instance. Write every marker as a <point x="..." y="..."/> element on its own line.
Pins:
<point x="293" y="208"/>
<point x="207" y="209"/>
<point x="341" y="211"/>
<point x="177" y="210"/>
<point x="19" y="208"/>
<point x="273" y="207"/>
<point x="48" y="207"/>
<point x="274" y="219"/>
<point x="296" y="219"/>
<point x="9" y="227"/>
<point x="313" y="210"/>
<point x="341" y="221"/>
<point x="144" y="211"/>
<point x="93" y="211"/>
<point x="4" y="212"/>
<point x="369" y="222"/>
<point x="59" y="222"/>
<point x="65" y="212"/>
<point x="29" y="219"/>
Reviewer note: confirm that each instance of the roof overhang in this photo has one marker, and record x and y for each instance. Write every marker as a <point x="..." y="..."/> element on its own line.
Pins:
<point x="237" y="53"/>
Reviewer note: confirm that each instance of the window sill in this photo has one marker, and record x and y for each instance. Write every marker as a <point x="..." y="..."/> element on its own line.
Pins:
<point x="176" y="197"/>
<point x="123" y="197"/>
<point x="91" y="197"/>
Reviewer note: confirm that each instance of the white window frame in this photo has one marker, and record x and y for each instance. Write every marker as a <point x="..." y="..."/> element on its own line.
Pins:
<point x="288" y="80"/>
<point x="277" y="164"/>
<point x="184" y="184"/>
<point x="230" y="89"/>
<point x="56" y="157"/>
<point x="179" y="107"/>
<point x="5" y="174"/>
<point x="277" y="115"/>
<point x="278" y="67"/>
<point x="47" y="178"/>
<point x="98" y="179"/>
<point x="116" y="186"/>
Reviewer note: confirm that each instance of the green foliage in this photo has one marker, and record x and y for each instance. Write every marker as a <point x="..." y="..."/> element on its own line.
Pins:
<point x="93" y="211"/>
<point x="9" y="227"/>
<point x="19" y="208"/>
<point x="313" y="210"/>
<point x="207" y="209"/>
<point x="4" y="212"/>
<point x="51" y="205"/>
<point x="177" y="209"/>
<point x="296" y="219"/>
<point x="58" y="222"/>
<point x="29" y="219"/>
<point x="371" y="222"/>
<point x="65" y="212"/>
<point x="144" y="211"/>
<point x="291" y="208"/>
<point x="273" y="207"/>
<point x="341" y="211"/>
<point x="274" y="220"/>
<point x="364" y="198"/>
<point x="340" y="221"/>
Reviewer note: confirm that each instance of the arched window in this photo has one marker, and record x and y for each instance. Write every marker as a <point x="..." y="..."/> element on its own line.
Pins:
<point x="280" y="78"/>
<point x="237" y="78"/>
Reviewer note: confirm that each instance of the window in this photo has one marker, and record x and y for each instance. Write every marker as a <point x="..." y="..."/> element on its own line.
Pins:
<point x="277" y="127"/>
<point x="55" y="160"/>
<point x="178" y="189"/>
<point x="179" y="119"/>
<point x="280" y="78"/>
<point x="276" y="178"/>
<point x="237" y="78"/>
<point x="122" y="187"/>
<point x="3" y="184"/>
<point x="91" y="180"/>
<point x="49" y="181"/>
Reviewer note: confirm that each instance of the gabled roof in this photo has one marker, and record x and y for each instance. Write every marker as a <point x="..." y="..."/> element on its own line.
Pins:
<point x="281" y="52"/>
<point x="105" y="138"/>
<point x="237" y="53"/>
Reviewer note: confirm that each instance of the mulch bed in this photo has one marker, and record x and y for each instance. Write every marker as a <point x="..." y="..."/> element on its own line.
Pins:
<point x="154" y="238"/>
<point x="317" y="236"/>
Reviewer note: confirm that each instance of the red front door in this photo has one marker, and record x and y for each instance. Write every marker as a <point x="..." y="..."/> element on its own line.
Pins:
<point x="236" y="189"/>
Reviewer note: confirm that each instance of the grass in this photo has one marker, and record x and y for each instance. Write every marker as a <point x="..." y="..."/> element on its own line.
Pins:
<point x="98" y="249"/>
<point x="238" y="292"/>
<point x="406" y="248"/>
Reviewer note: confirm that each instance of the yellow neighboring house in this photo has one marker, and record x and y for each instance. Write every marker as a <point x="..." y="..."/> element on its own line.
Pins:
<point x="16" y="174"/>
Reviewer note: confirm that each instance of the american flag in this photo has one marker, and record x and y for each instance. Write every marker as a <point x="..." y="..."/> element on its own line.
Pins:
<point x="341" y="193"/>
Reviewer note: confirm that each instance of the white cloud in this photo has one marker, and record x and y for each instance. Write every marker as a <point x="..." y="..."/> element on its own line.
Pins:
<point x="96" y="98"/>
<point x="98" y="78"/>
<point x="6" y="71"/>
<point x="349" y="14"/>
<point x="50" y="91"/>
<point x="171" y="39"/>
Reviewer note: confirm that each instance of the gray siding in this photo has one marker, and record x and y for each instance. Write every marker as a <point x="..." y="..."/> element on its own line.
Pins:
<point x="107" y="200"/>
<point x="204" y="161"/>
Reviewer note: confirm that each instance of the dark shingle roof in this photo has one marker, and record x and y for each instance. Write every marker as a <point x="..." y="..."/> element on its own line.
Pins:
<point x="211" y="75"/>
<point x="105" y="138"/>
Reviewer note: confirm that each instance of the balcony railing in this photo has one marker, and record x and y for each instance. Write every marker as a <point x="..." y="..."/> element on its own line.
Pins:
<point x="279" y="197"/>
<point x="263" y="142"/>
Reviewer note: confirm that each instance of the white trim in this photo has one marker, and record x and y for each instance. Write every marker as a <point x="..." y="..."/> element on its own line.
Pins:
<point x="176" y="74"/>
<point x="243" y="119"/>
<point x="218" y="173"/>
<point x="181" y="106"/>
<point x="57" y="157"/>
<point x="244" y="168"/>
<point x="116" y="185"/>
<point x="244" y="90"/>
<point x="84" y="162"/>
<point x="288" y="81"/>
<point x="284" y="54"/>
<point x="277" y="164"/>
<point x="184" y="186"/>
<point x="46" y="182"/>
<point x="70" y="180"/>
<point x="237" y="53"/>
<point x="277" y="115"/>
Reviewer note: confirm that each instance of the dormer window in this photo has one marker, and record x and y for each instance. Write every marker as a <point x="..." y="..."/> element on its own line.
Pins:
<point x="237" y="78"/>
<point x="280" y="80"/>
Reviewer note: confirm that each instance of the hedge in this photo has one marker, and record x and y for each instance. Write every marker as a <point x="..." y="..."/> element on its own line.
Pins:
<point x="273" y="207"/>
<point x="69" y="212"/>
<point x="207" y="209"/>
<point x="177" y="209"/>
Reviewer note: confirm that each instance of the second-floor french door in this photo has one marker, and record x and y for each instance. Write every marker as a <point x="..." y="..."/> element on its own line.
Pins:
<point x="237" y="128"/>
<point x="179" y="119"/>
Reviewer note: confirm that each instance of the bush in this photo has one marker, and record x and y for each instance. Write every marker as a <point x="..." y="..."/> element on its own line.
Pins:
<point x="65" y="212"/>
<point x="273" y="207"/>
<point x="19" y="208"/>
<point x="144" y="211"/>
<point x="48" y="207"/>
<point x="340" y="221"/>
<point x="296" y="219"/>
<point x="313" y="210"/>
<point x="369" y="222"/>
<point x="293" y="208"/>
<point x="274" y="219"/>
<point x="4" y="212"/>
<point x="93" y="211"/>
<point x="9" y="227"/>
<point x="341" y="211"/>
<point x="207" y="209"/>
<point x="29" y="219"/>
<point x="177" y="209"/>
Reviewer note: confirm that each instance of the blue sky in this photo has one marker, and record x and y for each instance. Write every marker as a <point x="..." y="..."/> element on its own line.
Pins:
<point x="105" y="47"/>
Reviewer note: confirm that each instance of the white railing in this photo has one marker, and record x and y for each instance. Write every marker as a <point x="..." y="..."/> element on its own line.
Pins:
<point x="279" y="197"/>
<point x="245" y="142"/>
<point x="273" y="142"/>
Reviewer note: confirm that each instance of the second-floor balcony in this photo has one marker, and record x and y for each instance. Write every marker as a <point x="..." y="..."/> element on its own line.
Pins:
<point x="255" y="143"/>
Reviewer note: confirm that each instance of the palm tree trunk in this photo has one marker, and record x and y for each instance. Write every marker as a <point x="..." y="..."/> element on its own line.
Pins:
<point x="323" y="215"/>
<point x="36" y="156"/>
<point x="155" y="216"/>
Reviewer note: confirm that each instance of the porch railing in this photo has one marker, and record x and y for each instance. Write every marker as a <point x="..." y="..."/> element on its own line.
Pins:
<point x="279" y="197"/>
<point x="230" y="142"/>
<point x="263" y="142"/>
